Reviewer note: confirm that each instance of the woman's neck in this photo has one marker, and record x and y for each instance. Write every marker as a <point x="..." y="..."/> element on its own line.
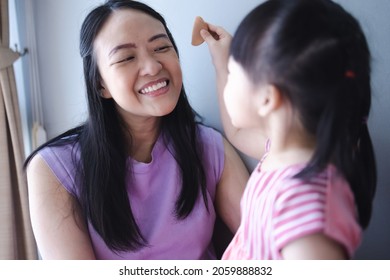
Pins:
<point x="144" y="133"/>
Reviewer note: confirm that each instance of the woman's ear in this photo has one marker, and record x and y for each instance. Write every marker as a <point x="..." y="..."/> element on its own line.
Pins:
<point x="104" y="92"/>
<point x="270" y="100"/>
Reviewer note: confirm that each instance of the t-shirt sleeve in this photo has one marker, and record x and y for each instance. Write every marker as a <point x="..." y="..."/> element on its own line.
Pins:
<point x="61" y="162"/>
<point x="342" y="222"/>
<point x="213" y="155"/>
<point x="321" y="205"/>
<point x="299" y="211"/>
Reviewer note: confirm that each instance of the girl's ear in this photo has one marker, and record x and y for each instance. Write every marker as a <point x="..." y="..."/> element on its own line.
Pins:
<point x="270" y="100"/>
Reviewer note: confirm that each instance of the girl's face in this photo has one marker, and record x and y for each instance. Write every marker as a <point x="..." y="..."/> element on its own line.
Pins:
<point x="240" y="97"/>
<point x="138" y="65"/>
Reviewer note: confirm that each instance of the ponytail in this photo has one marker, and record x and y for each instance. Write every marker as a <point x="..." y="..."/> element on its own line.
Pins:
<point x="344" y="140"/>
<point x="363" y="179"/>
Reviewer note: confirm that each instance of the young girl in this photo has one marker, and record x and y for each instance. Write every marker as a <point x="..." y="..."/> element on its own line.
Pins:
<point x="298" y="81"/>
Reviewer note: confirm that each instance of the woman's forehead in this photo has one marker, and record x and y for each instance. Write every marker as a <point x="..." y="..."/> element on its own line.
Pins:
<point x="127" y="26"/>
<point x="132" y="21"/>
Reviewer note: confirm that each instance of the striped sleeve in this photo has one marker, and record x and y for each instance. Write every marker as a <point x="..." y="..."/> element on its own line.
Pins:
<point x="299" y="210"/>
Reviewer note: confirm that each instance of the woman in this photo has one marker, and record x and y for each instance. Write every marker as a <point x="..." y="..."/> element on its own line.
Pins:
<point x="140" y="178"/>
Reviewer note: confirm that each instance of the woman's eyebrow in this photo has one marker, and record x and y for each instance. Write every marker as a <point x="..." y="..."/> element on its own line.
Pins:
<point x="132" y="45"/>
<point x="122" y="46"/>
<point x="158" y="36"/>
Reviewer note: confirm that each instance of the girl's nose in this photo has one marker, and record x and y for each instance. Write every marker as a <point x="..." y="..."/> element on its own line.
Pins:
<point x="150" y="66"/>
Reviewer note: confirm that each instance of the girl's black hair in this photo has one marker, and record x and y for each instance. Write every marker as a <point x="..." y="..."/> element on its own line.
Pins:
<point x="102" y="168"/>
<point x="316" y="54"/>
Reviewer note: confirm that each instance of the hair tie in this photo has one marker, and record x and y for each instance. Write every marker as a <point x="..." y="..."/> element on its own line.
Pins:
<point x="350" y="74"/>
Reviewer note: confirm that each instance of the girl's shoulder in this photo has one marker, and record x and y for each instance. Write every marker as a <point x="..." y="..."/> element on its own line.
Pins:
<point x="326" y="200"/>
<point x="330" y="176"/>
<point x="328" y="187"/>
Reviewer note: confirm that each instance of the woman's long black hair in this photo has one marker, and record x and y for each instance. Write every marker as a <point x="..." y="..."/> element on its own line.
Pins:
<point x="103" y="138"/>
<point x="316" y="54"/>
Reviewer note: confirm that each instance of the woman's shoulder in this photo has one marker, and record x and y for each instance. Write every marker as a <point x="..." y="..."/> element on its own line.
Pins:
<point x="208" y="133"/>
<point x="51" y="168"/>
<point x="212" y="150"/>
<point x="63" y="146"/>
<point x="62" y="159"/>
<point x="60" y="151"/>
<point x="211" y="140"/>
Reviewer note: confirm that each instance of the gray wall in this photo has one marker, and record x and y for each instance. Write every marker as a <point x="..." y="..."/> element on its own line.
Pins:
<point x="57" y="27"/>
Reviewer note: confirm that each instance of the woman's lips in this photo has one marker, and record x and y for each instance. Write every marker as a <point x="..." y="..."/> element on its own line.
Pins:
<point x="155" y="88"/>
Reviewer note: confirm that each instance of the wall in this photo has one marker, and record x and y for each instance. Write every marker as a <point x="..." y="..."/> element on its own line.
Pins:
<point x="57" y="26"/>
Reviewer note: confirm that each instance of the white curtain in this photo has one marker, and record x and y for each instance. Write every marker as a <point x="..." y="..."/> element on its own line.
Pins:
<point x="16" y="237"/>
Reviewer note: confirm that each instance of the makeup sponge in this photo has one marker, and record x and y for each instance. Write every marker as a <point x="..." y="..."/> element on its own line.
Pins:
<point x="199" y="24"/>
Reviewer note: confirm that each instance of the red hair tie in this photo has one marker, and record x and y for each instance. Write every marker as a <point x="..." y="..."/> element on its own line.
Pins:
<point x="350" y="74"/>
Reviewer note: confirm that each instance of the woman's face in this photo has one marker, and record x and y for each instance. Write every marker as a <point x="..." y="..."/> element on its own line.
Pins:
<point x="138" y="65"/>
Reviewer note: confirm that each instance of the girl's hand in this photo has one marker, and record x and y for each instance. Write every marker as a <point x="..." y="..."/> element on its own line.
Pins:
<point x="218" y="41"/>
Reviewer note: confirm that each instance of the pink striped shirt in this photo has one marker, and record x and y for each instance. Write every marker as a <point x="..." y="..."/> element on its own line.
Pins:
<point x="277" y="209"/>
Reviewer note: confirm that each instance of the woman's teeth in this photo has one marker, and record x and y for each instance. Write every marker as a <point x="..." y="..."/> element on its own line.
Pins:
<point x="154" y="87"/>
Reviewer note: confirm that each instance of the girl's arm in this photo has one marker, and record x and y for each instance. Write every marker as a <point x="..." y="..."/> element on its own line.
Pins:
<point x="314" y="247"/>
<point x="59" y="228"/>
<point x="230" y="188"/>
<point x="248" y="141"/>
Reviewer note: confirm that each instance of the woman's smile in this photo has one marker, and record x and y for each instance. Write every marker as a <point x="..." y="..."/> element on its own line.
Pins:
<point x="156" y="88"/>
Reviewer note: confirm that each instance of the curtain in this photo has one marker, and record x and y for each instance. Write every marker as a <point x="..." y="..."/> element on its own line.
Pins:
<point x="16" y="237"/>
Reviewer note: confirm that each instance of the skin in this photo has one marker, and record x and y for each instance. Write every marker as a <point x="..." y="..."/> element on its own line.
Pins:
<point x="133" y="53"/>
<point x="59" y="234"/>
<point x="250" y="141"/>
<point x="250" y="114"/>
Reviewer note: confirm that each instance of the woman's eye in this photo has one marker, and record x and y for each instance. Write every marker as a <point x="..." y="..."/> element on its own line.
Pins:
<point x="126" y="59"/>
<point x="163" y="48"/>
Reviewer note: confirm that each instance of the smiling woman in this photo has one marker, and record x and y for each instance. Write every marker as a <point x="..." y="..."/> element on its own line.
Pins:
<point x="135" y="58"/>
<point x="142" y="178"/>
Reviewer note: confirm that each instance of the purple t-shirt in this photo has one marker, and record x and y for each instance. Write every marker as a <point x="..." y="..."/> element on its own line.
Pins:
<point x="153" y="192"/>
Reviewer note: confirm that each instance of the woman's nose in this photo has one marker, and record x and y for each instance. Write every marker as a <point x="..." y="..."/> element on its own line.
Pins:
<point x="150" y="66"/>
